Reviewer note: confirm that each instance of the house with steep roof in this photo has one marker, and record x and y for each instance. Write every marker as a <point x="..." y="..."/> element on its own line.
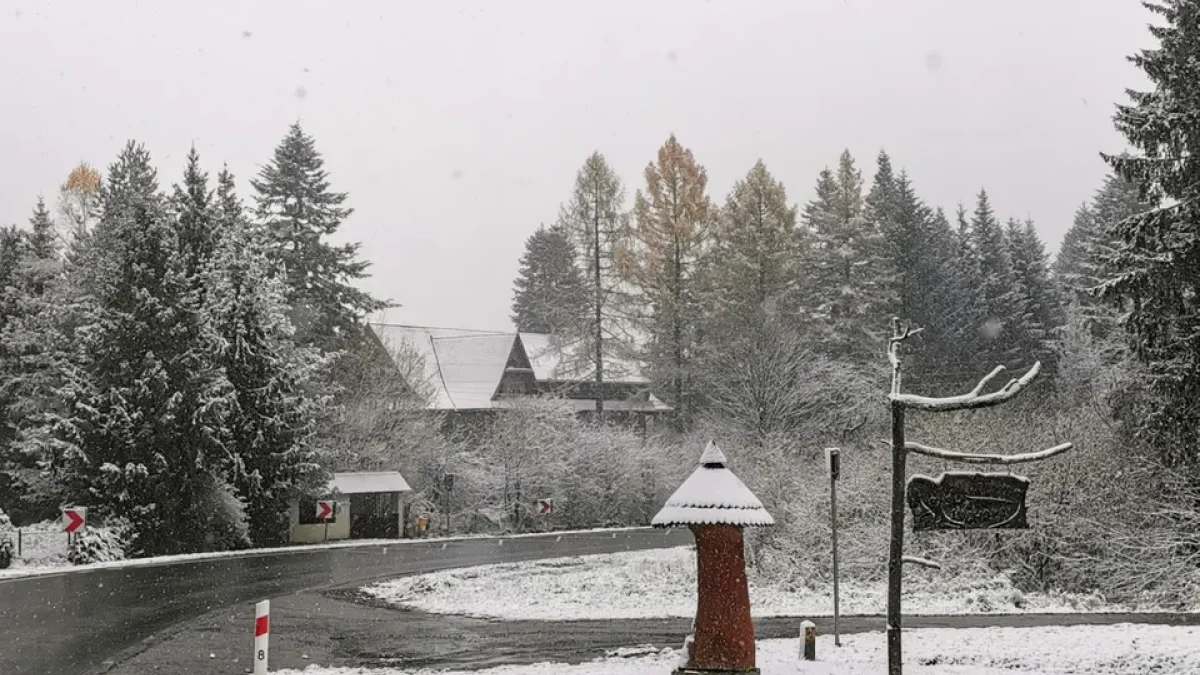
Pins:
<point x="477" y="371"/>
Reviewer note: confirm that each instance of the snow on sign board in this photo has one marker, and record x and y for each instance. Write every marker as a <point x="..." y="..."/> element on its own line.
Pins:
<point x="545" y="506"/>
<point x="968" y="501"/>
<point x="74" y="518"/>
<point x="324" y="510"/>
<point x="833" y="463"/>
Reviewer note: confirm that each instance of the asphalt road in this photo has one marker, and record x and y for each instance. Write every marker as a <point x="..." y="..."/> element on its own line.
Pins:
<point x="80" y="622"/>
<point x="341" y="628"/>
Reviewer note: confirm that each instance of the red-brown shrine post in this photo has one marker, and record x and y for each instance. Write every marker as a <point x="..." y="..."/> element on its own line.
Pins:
<point x="716" y="506"/>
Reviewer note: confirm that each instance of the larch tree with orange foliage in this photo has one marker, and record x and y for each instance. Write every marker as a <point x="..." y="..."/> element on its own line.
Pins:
<point x="672" y="231"/>
<point x="79" y="197"/>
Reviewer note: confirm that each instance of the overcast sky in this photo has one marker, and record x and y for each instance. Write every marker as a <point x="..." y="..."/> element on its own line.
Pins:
<point x="457" y="127"/>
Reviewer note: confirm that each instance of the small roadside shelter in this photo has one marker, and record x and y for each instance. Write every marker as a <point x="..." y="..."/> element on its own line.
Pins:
<point x="369" y="506"/>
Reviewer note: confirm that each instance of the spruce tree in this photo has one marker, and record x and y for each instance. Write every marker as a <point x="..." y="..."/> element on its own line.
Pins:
<point x="549" y="295"/>
<point x="12" y="249"/>
<point x="139" y="434"/>
<point x="967" y="304"/>
<point x="270" y="428"/>
<point x="671" y="234"/>
<point x="1000" y="305"/>
<point x="920" y="248"/>
<point x="753" y="272"/>
<point x="1089" y="248"/>
<point x="1158" y="262"/>
<point x="849" y="278"/>
<point x="12" y="252"/>
<point x="300" y="212"/>
<point x="1040" y="304"/>
<point x="1075" y="269"/>
<point x="192" y="202"/>
<point x="596" y="223"/>
<point x="25" y="366"/>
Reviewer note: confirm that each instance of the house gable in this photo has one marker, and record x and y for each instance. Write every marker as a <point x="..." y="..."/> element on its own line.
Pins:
<point x="518" y="378"/>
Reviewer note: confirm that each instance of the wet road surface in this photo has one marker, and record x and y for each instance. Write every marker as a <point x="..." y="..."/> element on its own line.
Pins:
<point x="81" y="622"/>
<point x="330" y="628"/>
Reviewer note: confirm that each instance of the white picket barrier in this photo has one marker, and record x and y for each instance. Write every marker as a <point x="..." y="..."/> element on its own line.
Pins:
<point x="262" y="633"/>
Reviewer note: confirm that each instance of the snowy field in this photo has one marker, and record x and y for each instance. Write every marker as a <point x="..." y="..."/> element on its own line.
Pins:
<point x="1123" y="649"/>
<point x="662" y="583"/>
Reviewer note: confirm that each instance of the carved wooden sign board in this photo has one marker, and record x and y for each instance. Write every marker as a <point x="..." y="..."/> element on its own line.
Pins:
<point x="968" y="501"/>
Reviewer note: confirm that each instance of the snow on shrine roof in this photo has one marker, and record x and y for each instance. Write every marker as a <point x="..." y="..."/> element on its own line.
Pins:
<point x="360" y="482"/>
<point x="712" y="495"/>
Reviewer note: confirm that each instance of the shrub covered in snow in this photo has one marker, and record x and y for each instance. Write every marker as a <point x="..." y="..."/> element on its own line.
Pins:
<point x="97" y="544"/>
<point x="6" y="546"/>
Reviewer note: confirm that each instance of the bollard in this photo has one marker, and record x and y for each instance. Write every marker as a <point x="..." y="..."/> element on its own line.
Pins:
<point x="262" y="632"/>
<point x="810" y="640"/>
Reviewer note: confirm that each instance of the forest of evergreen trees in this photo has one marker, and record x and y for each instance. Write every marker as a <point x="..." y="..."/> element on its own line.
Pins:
<point x="165" y="355"/>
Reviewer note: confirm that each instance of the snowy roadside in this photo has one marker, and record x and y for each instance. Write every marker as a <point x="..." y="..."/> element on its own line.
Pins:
<point x="662" y="583"/>
<point x="59" y="565"/>
<point x="1122" y="649"/>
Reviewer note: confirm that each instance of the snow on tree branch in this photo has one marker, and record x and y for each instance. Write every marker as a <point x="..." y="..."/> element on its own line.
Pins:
<point x="973" y="400"/>
<point x="972" y="458"/>
<point x="912" y="559"/>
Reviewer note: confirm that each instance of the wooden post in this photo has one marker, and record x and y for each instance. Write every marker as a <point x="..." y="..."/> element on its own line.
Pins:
<point x="833" y="479"/>
<point x="810" y="640"/>
<point x="896" y="546"/>
<point x="896" y="549"/>
<point x="834" y="461"/>
<point x="975" y="399"/>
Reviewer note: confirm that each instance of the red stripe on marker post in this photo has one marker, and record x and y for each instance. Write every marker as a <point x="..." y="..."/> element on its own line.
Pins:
<point x="262" y="633"/>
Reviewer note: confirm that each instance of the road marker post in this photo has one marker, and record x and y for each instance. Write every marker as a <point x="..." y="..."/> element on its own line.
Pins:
<point x="73" y="519"/>
<point x="810" y="640"/>
<point x="262" y="633"/>
<point x="326" y="509"/>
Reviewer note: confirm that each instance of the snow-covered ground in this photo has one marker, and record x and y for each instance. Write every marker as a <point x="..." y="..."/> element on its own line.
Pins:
<point x="1123" y="649"/>
<point x="662" y="583"/>
<point x="58" y="563"/>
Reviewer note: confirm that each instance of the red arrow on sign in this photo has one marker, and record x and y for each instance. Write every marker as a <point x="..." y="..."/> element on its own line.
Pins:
<point x="72" y="520"/>
<point x="324" y="510"/>
<point x="545" y="505"/>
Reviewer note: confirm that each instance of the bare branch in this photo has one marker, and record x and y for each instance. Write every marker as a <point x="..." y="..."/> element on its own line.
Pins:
<point x="973" y="400"/>
<point x="970" y="458"/>
<point x="988" y="378"/>
<point x="908" y="332"/>
<point x="899" y="334"/>
<point x="912" y="559"/>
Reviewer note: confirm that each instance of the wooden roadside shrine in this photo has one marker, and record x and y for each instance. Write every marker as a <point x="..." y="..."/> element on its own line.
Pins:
<point x="716" y="506"/>
<point x="953" y="501"/>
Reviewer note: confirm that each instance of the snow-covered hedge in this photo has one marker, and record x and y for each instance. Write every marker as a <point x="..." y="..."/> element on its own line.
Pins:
<point x="99" y="544"/>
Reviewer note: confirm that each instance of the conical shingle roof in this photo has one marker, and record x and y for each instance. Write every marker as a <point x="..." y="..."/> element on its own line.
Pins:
<point x="712" y="495"/>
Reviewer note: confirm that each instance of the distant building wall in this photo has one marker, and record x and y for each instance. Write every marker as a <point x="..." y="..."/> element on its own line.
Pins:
<point x="339" y="528"/>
